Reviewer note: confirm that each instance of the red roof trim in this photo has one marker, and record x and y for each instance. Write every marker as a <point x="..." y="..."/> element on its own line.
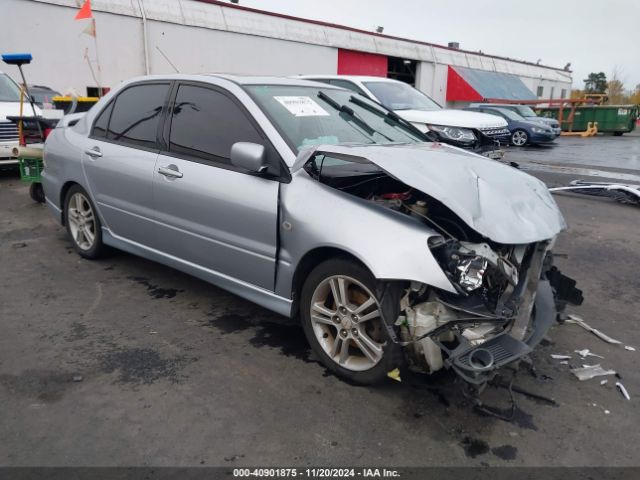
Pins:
<point x="381" y="35"/>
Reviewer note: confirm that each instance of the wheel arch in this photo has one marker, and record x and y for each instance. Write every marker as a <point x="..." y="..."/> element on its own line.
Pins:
<point x="63" y="196"/>
<point x="311" y="260"/>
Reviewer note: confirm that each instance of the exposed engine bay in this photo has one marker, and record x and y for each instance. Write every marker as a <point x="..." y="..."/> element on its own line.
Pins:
<point x="503" y="302"/>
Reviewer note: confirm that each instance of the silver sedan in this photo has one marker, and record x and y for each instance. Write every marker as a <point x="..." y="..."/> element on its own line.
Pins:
<point x="320" y="205"/>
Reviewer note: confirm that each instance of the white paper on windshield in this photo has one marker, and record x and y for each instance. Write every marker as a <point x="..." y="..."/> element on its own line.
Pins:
<point x="302" y="106"/>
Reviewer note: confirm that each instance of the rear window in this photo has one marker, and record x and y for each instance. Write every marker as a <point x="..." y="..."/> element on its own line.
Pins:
<point x="136" y="114"/>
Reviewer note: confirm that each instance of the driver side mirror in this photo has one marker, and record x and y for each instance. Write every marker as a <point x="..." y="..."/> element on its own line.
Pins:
<point x="250" y="156"/>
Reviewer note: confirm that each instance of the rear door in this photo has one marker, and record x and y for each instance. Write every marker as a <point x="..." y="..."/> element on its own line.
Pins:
<point x="209" y="212"/>
<point x="120" y="158"/>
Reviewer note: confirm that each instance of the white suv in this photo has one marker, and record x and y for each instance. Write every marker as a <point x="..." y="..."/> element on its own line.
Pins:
<point x="474" y="131"/>
<point x="10" y="106"/>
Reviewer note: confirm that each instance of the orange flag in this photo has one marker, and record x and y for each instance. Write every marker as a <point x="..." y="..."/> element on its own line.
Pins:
<point x="85" y="11"/>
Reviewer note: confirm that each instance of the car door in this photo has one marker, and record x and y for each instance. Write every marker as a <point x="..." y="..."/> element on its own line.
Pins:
<point x="210" y="213"/>
<point x="120" y="158"/>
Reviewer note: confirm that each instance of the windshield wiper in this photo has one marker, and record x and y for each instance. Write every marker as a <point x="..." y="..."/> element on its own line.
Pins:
<point x="349" y="111"/>
<point x="390" y="114"/>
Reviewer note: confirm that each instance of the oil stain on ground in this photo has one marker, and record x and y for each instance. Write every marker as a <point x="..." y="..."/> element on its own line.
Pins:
<point x="154" y="290"/>
<point x="143" y="365"/>
<point x="474" y="446"/>
<point x="505" y="452"/>
<point x="286" y="337"/>
<point x="43" y="385"/>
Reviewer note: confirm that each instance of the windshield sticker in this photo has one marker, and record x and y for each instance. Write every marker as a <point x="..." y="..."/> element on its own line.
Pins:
<point x="302" y="106"/>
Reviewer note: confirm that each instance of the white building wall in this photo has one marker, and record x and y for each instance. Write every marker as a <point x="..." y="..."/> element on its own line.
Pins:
<point x="201" y="37"/>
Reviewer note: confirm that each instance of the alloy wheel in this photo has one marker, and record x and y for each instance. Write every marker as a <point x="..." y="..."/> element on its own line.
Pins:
<point x="519" y="138"/>
<point x="81" y="220"/>
<point x="347" y="322"/>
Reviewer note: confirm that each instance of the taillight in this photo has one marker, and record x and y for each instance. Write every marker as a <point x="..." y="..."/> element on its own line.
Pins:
<point x="46" y="132"/>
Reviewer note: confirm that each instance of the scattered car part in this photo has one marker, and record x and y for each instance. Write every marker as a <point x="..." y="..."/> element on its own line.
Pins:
<point x="623" y="193"/>
<point x="560" y="357"/>
<point x="587" y="353"/>
<point x="591" y="371"/>
<point x="579" y="321"/>
<point x="623" y="390"/>
<point x="631" y="349"/>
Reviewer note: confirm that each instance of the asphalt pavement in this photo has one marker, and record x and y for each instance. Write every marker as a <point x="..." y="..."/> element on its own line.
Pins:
<point x="123" y="361"/>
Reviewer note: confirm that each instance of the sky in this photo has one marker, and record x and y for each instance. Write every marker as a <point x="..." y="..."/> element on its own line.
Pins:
<point x="601" y="36"/>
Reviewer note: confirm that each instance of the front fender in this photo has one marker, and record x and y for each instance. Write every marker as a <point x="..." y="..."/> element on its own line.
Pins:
<point x="392" y="245"/>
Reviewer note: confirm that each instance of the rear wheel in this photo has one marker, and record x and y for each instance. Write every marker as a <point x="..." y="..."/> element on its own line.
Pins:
<point x="83" y="224"/>
<point x="519" y="138"/>
<point x="343" y="310"/>
<point x="618" y="134"/>
<point x="36" y="192"/>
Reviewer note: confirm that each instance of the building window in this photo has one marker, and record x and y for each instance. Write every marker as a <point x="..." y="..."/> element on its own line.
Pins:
<point x="540" y="91"/>
<point x="552" y="92"/>
<point x="563" y="93"/>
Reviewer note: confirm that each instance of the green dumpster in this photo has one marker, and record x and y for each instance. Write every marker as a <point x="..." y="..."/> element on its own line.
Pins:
<point x="616" y="119"/>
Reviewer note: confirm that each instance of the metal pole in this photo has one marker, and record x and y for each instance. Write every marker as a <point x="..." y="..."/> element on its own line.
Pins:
<point x="33" y="107"/>
<point x="95" y="38"/>
<point x="145" y="40"/>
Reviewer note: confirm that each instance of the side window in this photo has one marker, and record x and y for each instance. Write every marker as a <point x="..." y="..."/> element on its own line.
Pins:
<point x="136" y="113"/>
<point x="101" y="123"/>
<point x="206" y="123"/>
<point x="348" y="85"/>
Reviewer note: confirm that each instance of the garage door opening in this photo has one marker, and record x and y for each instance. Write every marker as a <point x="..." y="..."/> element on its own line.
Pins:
<point x="402" y="69"/>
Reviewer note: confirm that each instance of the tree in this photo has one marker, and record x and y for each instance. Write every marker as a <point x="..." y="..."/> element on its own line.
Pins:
<point x="615" y="92"/>
<point x="595" y="83"/>
<point x="635" y="96"/>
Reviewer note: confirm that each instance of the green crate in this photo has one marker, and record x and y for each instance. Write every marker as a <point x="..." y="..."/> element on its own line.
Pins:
<point x="30" y="169"/>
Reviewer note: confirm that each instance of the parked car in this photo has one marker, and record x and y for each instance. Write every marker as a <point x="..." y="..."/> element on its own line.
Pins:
<point x="320" y="205"/>
<point x="523" y="132"/>
<point x="467" y="130"/>
<point x="524" y="111"/>
<point x="43" y="96"/>
<point x="9" y="106"/>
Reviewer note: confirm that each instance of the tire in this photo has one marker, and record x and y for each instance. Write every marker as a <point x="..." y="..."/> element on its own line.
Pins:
<point x="82" y="222"/>
<point x="519" y="138"/>
<point x="617" y="134"/>
<point x="36" y="192"/>
<point x="338" y="327"/>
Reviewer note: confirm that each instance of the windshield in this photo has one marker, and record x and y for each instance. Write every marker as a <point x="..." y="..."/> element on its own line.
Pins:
<point x="400" y="96"/>
<point x="43" y="96"/>
<point x="9" y="91"/>
<point x="307" y="116"/>
<point x="510" y="114"/>
<point x="526" y="111"/>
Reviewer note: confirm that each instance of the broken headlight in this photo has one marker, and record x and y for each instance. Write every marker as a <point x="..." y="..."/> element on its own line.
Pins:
<point x="470" y="272"/>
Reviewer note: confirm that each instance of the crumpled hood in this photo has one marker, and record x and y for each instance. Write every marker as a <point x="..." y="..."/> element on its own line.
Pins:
<point x="498" y="201"/>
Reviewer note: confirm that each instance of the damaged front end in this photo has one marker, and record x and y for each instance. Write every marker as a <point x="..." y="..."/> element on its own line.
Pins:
<point x="490" y="230"/>
<point x="506" y="302"/>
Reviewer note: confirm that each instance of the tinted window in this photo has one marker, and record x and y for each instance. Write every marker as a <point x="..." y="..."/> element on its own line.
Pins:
<point x="136" y="114"/>
<point x="101" y="123"/>
<point x="206" y="123"/>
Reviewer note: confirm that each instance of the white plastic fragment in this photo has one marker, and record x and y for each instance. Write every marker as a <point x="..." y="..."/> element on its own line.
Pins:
<point x="607" y="412"/>
<point x="631" y="349"/>
<point x="579" y="321"/>
<point x="560" y="357"/>
<point x="564" y="362"/>
<point x="603" y="382"/>
<point x="623" y="390"/>
<point x="587" y="353"/>
<point x="591" y="372"/>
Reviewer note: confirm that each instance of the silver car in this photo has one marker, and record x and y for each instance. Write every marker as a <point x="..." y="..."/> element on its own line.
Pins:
<point x="319" y="205"/>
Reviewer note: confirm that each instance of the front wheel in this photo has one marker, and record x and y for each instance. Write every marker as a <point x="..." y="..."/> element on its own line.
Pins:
<point x="519" y="138"/>
<point x="83" y="224"/>
<point x="343" y="311"/>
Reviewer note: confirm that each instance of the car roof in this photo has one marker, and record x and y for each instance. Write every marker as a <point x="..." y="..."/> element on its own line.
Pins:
<point x="237" y="79"/>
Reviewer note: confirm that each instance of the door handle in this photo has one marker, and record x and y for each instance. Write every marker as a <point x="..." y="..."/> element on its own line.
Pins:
<point x="170" y="172"/>
<point x="93" y="152"/>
